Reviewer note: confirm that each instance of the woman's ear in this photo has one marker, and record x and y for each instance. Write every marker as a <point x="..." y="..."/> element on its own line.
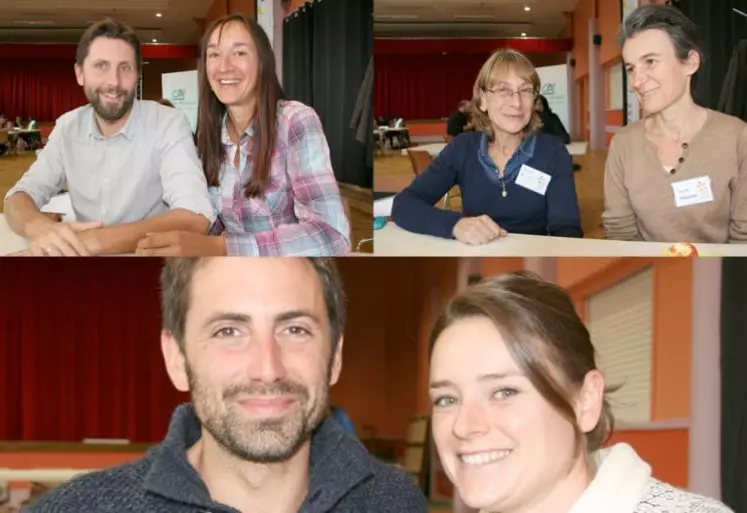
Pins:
<point x="590" y="401"/>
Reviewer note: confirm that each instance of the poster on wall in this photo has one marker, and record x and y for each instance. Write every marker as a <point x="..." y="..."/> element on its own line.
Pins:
<point x="265" y="18"/>
<point x="181" y="89"/>
<point x="632" y="110"/>
<point x="554" y="87"/>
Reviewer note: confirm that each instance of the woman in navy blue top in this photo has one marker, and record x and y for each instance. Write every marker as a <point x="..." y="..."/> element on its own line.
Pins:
<point x="512" y="178"/>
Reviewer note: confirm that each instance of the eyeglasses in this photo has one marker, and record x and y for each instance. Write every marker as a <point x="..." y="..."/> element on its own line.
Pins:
<point x="506" y="93"/>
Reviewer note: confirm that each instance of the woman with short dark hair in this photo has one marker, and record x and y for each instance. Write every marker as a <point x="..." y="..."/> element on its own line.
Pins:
<point x="679" y="174"/>
<point x="520" y="413"/>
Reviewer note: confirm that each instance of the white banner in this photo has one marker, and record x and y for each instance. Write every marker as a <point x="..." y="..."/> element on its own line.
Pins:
<point x="265" y="18"/>
<point x="555" y="88"/>
<point x="182" y="90"/>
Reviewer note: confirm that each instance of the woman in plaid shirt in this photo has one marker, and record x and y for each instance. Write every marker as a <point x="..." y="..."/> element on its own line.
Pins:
<point x="266" y="158"/>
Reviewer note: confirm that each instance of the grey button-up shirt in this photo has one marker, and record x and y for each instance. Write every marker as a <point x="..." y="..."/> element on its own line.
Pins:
<point x="147" y="168"/>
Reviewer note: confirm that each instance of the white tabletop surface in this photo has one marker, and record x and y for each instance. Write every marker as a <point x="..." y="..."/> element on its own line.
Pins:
<point x="394" y="241"/>
<point x="9" y="241"/>
<point x="575" y="148"/>
<point x="12" y="243"/>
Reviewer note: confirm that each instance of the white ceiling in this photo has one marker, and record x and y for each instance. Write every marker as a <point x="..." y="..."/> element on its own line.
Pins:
<point x="63" y="21"/>
<point x="471" y="18"/>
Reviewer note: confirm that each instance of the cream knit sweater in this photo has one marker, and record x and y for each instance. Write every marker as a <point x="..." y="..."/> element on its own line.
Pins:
<point x="623" y="484"/>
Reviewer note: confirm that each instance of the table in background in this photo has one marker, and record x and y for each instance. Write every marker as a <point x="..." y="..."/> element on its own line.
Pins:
<point x="394" y="241"/>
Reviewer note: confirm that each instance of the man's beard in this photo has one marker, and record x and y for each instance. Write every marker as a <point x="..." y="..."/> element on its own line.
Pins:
<point x="110" y="113"/>
<point x="262" y="440"/>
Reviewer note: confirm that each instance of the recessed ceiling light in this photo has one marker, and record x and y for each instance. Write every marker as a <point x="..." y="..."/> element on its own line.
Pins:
<point x="155" y="40"/>
<point x="527" y="8"/>
<point x="523" y="34"/>
<point x="158" y="15"/>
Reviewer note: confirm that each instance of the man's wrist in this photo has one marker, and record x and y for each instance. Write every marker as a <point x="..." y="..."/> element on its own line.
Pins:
<point x="35" y="225"/>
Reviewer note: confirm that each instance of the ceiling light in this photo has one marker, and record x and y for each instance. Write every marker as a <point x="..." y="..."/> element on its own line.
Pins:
<point x="527" y="8"/>
<point x="155" y="40"/>
<point x="523" y="34"/>
<point x="158" y="15"/>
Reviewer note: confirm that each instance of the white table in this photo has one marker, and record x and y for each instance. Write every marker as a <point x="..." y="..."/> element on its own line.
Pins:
<point x="9" y="241"/>
<point x="394" y="241"/>
<point x="575" y="148"/>
<point x="12" y="243"/>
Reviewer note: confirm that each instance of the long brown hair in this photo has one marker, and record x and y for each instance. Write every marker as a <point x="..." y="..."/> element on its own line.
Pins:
<point x="543" y="334"/>
<point x="211" y="111"/>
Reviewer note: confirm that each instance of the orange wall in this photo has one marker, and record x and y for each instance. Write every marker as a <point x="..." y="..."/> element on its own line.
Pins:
<point x="386" y="351"/>
<point x="672" y="333"/>
<point x="222" y="7"/>
<point x="672" y="297"/>
<point x="581" y="15"/>
<point x="496" y="266"/>
<point x="609" y="17"/>
<point x="667" y="451"/>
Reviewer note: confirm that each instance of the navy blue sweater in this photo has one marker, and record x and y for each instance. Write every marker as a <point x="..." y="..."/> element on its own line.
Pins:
<point x="465" y="162"/>
<point x="344" y="478"/>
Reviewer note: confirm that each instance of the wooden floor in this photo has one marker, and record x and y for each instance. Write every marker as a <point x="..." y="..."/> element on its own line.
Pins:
<point x="359" y="200"/>
<point x="393" y="172"/>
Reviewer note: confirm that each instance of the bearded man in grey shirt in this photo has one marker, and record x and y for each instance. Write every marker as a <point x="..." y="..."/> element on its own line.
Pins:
<point x="131" y="166"/>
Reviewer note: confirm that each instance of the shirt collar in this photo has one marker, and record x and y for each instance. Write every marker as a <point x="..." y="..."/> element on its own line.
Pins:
<point x="128" y="130"/>
<point x="619" y="483"/>
<point x="526" y="146"/>
<point x="225" y="138"/>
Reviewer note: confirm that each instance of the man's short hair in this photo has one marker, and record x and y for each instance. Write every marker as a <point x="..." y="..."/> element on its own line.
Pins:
<point x="110" y="29"/>
<point x="176" y="285"/>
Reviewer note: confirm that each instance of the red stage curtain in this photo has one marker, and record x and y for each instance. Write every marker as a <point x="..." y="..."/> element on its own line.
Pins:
<point x="423" y="86"/>
<point x="80" y="350"/>
<point x="42" y="89"/>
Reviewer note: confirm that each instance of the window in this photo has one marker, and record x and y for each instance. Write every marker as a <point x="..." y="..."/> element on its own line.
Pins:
<point x="620" y="321"/>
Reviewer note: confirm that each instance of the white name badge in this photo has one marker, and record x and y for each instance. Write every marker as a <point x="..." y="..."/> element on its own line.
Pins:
<point x="533" y="179"/>
<point x="693" y="191"/>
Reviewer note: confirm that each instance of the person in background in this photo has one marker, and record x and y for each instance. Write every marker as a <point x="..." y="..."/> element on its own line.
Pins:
<point x="18" y="124"/>
<point x="257" y="342"/>
<point x="266" y="158"/>
<point x="680" y="174"/>
<point x="551" y="123"/>
<point x="520" y="414"/>
<point x="459" y="121"/>
<point x="130" y="166"/>
<point x="512" y="177"/>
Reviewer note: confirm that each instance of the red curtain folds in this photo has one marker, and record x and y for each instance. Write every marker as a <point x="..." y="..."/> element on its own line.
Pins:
<point x="79" y="351"/>
<point x="423" y="86"/>
<point x="42" y="89"/>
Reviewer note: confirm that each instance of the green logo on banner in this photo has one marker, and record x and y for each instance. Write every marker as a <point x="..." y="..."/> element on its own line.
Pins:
<point x="548" y="89"/>
<point x="178" y="95"/>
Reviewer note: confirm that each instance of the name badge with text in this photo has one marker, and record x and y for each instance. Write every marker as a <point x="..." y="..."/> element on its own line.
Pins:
<point x="533" y="179"/>
<point x="692" y="192"/>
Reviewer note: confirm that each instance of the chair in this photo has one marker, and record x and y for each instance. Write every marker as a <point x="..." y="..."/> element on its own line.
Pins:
<point x="4" y="143"/>
<point x="420" y="161"/>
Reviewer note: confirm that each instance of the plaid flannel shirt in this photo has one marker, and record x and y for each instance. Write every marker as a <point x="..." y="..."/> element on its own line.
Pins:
<point x="301" y="212"/>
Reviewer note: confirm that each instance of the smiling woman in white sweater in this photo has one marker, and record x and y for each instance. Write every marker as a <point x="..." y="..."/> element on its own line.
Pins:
<point x="520" y="413"/>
